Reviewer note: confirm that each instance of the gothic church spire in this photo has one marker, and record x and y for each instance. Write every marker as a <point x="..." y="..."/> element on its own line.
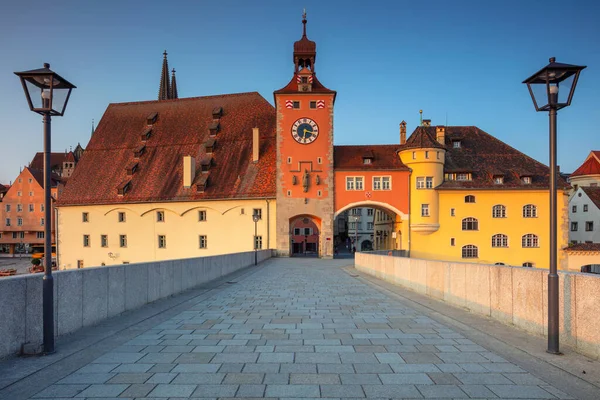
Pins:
<point x="164" y="90"/>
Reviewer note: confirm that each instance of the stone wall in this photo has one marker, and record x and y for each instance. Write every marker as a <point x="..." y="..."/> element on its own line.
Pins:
<point x="512" y="295"/>
<point x="84" y="297"/>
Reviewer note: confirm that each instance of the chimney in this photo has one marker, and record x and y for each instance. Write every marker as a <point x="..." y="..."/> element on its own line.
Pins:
<point x="402" y="132"/>
<point x="440" y="134"/>
<point x="426" y="122"/>
<point x="255" y="144"/>
<point x="189" y="171"/>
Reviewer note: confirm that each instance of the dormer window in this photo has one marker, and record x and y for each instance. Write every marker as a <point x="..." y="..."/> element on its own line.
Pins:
<point x="205" y="164"/>
<point x="202" y="184"/>
<point x="498" y="179"/>
<point x="526" y="180"/>
<point x="146" y="135"/>
<point x="139" y="151"/>
<point x="210" y="145"/>
<point x="151" y="119"/>
<point x="214" y="128"/>
<point x="463" y="176"/>
<point x="367" y="160"/>
<point x="132" y="168"/>
<point x="456" y="144"/>
<point x="123" y="188"/>
<point x="217" y="112"/>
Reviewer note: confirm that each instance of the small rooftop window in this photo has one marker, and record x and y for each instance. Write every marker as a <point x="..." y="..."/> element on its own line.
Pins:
<point x="498" y="179"/>
<point x="457" y="144"/>
<point x="526" y="180"/>
<point x="151" y="119"/>
<point x="217" y="112"/>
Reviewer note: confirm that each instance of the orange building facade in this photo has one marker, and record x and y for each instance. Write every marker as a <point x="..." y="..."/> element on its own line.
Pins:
<point x="22" y="213"/>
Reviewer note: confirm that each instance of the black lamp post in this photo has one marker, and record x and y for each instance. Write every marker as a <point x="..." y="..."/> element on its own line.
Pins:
<point x="255" y="218"/>
<point x="544" y="88"/>
<point x="47" y="94"/>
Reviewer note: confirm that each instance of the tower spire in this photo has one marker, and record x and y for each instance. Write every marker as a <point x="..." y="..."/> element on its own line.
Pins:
<point x="93" y="128"/>
<point x="174" y="94"/>
<point x="164" y="90"/>
<point x="304" y="23"/>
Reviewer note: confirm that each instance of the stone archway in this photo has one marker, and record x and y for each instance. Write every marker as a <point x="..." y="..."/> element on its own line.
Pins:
<point x="305" y="236"/>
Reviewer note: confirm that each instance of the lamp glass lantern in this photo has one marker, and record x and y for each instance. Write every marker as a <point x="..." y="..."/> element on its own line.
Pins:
<point x="46" y="91"/>
<point x="553" y="86"/>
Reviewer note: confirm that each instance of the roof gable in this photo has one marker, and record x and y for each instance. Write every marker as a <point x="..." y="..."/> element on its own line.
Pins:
<point x="593" y="193"/>
<point x="591" y="166"/>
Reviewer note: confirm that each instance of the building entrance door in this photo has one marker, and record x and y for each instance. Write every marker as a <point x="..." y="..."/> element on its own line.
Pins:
<point x="304" y="236"/>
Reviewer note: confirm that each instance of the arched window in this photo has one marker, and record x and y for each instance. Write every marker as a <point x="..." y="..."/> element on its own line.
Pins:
<point x="528" y="264"/>
<point x="470" y="224"/>
<point x="470" y="199"/>
<point x="499" y="211"/>
<point x="470" y="251"/>
<point x="530" y="240"/>
<point x="500" y="240"/>
<point x="529" y="211"/>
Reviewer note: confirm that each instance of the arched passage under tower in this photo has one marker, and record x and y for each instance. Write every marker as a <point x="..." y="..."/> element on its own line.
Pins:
<point x="369" y="225"/>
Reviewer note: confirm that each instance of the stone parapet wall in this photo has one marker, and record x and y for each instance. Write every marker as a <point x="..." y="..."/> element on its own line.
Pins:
<point x="84" y="297"/>
<point x="512" y="295"/>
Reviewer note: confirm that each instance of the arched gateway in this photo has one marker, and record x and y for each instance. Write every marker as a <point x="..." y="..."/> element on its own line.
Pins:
<point x="317" y="180"/>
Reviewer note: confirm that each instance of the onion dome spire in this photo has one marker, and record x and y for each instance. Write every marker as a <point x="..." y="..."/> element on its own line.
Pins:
<point x="173" y="86"/>
<point x="164" y="90"/>
<point x="305" y="50"/>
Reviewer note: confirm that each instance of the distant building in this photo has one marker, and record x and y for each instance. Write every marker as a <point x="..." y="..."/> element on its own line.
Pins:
<point x="588" y="173"/>
<point x="360" y="228"/>
<point x="22" y="221"/>
<point x="61" y="164"/>
<point x="3" y="190"/>
<point x="584" y="216"/>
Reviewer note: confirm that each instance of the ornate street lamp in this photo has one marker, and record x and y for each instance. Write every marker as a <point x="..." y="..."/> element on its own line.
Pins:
<point x="47" y="94"/>
<point x="551" y="89"/>
<point x="255" y="218"/>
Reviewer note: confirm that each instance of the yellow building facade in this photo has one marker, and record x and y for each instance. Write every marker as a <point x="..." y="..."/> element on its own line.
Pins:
<point x="98" y="235"/>
<point x="465" y="209"/>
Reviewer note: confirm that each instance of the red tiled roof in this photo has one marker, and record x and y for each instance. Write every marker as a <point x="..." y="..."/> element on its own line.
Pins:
<point x="316" y="87"/>
<point x="351" y="157"/>
<point x="4" y="188"/>
<point x="181" y="129"/>
<point x="584" y="247"/>
<point x="56" y="160"/>
<point x="593" y="193"/>
<point x="483" y="156"/>
<point x="591" y="166"/>
<point x="422" y="138"/>
<point x="38" y="175"/>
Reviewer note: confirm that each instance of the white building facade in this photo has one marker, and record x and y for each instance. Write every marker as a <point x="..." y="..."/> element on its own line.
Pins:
<point x="584" y="215"/>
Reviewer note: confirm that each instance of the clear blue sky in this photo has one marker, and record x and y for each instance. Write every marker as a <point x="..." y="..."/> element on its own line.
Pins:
<point x="460" y="61"/>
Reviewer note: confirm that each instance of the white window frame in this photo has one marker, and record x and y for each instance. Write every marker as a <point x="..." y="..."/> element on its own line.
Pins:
<point x="162" y="241"/>
<point x="121" y="214"/>
<point x="470" y="220"/>
<point x="123" y="241"/>
<point x="257" y="211"/>
<point x="429" y="182"/>
<point x="86" y="240"/>
<point x="499" y="240"/>
<point x="160" y="216"/>
<point x="203" y="241"/>
<point x="529" y="211"/>
<point x="258" y="242"/>
<point x="530" y="240"/>
<point x="376" y="183"/>
<point x="425" y="210"/>
<point x="355" y="183"/>
<point x="499" y="211"/>
<point x="470" y="251"/>
<point x="420" y="182"/>
<point x="384" y="181"/>
<point x="103" y="240"/>
<point x="202" y="216"/>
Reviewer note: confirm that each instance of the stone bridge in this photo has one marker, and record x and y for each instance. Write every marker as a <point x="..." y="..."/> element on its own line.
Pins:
<point x="300" y="328"/>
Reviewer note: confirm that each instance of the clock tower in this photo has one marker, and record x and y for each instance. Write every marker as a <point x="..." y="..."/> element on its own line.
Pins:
<point x="305" y="184"/>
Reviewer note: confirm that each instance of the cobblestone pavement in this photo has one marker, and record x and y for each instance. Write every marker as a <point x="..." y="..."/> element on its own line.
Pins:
<point x="301" y="329"/>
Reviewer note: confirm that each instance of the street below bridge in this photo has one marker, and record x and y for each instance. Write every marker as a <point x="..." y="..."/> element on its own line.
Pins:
<point x="299" y="328"/>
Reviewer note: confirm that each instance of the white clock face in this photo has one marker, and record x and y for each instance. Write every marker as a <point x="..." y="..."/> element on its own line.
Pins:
<point x="305" y="131"/>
